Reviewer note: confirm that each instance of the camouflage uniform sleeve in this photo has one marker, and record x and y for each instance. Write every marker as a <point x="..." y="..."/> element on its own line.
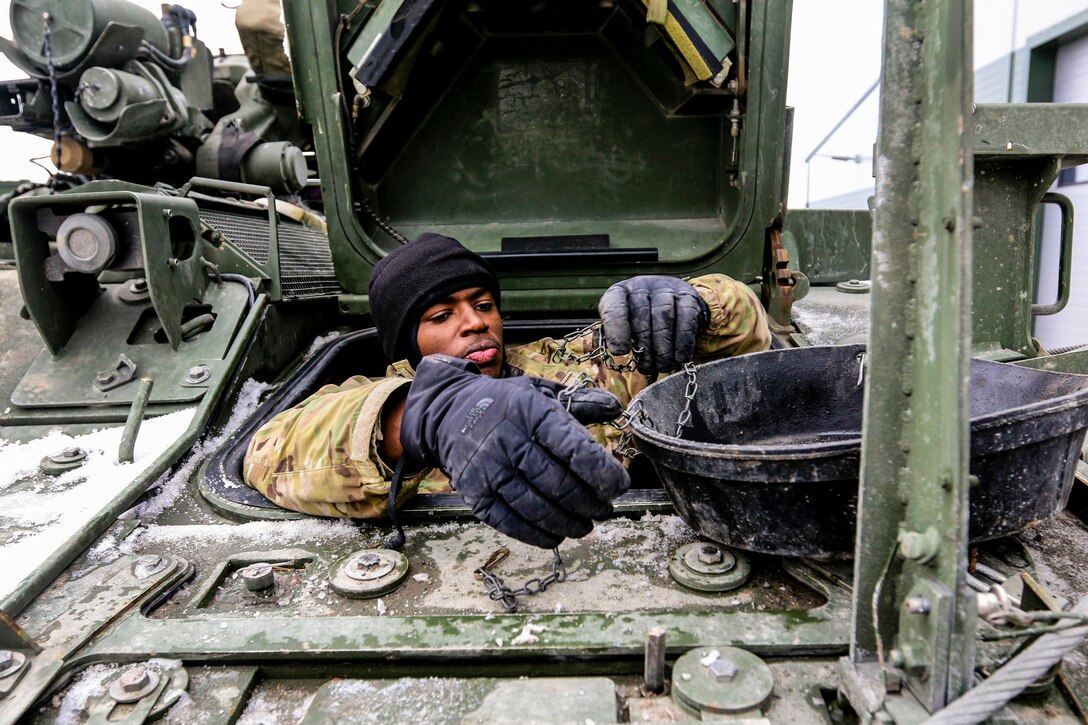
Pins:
<point x="321" y="456"/>
<point x="738" y="322"/>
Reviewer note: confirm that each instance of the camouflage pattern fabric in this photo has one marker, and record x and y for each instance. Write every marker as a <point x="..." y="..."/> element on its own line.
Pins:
<point x="321" y="456"/>
<point x="261" y="32"/>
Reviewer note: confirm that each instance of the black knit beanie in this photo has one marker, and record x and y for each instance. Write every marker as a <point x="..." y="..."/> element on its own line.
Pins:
<point x="413" y="277"/>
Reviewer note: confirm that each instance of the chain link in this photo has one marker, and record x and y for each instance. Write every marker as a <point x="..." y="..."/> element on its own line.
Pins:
<point x="566" y="395"/>
<point x="498" y="591"/>
<point x="684" y="421"/>
<point x="599" y="351"/>
<point x="47" y="50"/>
<point x="623" y="424"/>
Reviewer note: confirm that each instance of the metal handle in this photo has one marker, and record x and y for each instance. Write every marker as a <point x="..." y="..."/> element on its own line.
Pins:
<point x="237" y="187"/>
<point x="1065" y="261"/>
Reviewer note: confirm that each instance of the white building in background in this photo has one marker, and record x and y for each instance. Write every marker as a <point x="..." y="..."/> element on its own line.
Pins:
<point x="1034" y="52"/>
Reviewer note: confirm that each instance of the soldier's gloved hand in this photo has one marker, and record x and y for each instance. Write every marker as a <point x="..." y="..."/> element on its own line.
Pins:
<point x="521" y="462"/>
<point x="658" y="317"/>
<point x="587" y="405"/>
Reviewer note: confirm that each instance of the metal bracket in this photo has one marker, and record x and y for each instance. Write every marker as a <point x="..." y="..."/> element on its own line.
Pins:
<point x="780" y="285"/>
<point x="148" y="691"/>
<point x="925" y="620"/>
<point x="122" y="372"/>
<point x="13" y="637"/>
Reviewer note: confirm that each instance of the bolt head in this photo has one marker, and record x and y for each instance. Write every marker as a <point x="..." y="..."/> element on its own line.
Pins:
<point x="71" y="454"/>
<point x="917" y="546"/>
<point x="710" y="554"/>
<point x="724" y="669"/>
<point x="372" y="565"/>
<point x="917" y="605"/>
<point x="258" y="577"/>
<point x="138" y="285"/>
<point x="197" y="374"/>
<point x="366" y="562"/>
<point x="104" y="377"/>
<point x="254" y="570"/>
<point x="134" y="680"/>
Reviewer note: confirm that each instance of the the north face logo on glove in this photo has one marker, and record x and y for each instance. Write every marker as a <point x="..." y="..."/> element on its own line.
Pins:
<point x="475" y="413"/>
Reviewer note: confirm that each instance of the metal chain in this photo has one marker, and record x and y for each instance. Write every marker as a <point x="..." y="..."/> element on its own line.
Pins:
<point x="47" y="50"/>
<point x="623" y="423"/>
<point x="382" y="224"/>
<point x="497" y="590"/>
<point x="598" y="352"/>
<point x="684" y="421"/>
<point x="566" y="395"/>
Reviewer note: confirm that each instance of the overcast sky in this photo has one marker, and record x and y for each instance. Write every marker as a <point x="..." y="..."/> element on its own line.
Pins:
<point x="835" y="57"/>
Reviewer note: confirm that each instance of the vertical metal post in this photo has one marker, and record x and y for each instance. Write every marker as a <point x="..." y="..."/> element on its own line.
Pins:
<point x="911" y="606"/>
<point x="653" y="678"/>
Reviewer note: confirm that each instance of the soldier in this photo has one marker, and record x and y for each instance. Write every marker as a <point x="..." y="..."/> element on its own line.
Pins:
<point x="506" y="425"/>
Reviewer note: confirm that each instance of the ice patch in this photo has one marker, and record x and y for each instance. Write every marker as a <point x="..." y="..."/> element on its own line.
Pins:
<point x="253" y="535"/>
<point x="320" y="342"/>
<point x="275" y="703"/>
<point x="87" y="685"/>
<point x="40" y="512"/>
<point x="171" y="485"/>
<point x="528" y="634"/>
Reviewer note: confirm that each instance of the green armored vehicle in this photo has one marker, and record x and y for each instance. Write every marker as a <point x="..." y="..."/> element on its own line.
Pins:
<point x="878" y="520"/>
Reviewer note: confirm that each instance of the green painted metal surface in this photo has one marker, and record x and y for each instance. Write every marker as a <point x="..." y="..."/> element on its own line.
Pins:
<point x="1019" y="150"/>
<point x="112" y="327"/>
<point x="107" y="513"/>
<point x="499" y="126"/>
<point x="162" y="238"/>
<point x="375" y="638"/>
<point x="550" y="134"/>
<point x="915" y="446"/>
<point x="107" y="591"/>
<point x="77" y="25"/>
<point x="533" y="133"/>
<point x="832" y="245"/>
<point x="1007" y="198"/>
<point x="454" y="700"/>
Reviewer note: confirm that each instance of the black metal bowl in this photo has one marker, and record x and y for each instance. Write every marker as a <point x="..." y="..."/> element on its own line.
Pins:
<point x="770" y="461"/>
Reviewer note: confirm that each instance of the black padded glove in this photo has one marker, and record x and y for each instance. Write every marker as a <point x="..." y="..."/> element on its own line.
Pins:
<point x="521" y="462"/>
<point x="587" y="405"/>
<point x="658" y="317"/>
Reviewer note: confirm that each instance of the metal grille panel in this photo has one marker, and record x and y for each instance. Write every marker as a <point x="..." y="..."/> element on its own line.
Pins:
<point x="248" y="232"/>
<point x="306" y="268"/>
<point x="305" y="262"/>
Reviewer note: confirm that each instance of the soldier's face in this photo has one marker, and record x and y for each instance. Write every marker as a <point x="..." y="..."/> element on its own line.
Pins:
<point x="467" y="325"/>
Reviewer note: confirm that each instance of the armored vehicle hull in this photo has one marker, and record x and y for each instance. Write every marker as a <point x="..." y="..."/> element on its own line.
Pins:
<point x="201" y="260"/>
